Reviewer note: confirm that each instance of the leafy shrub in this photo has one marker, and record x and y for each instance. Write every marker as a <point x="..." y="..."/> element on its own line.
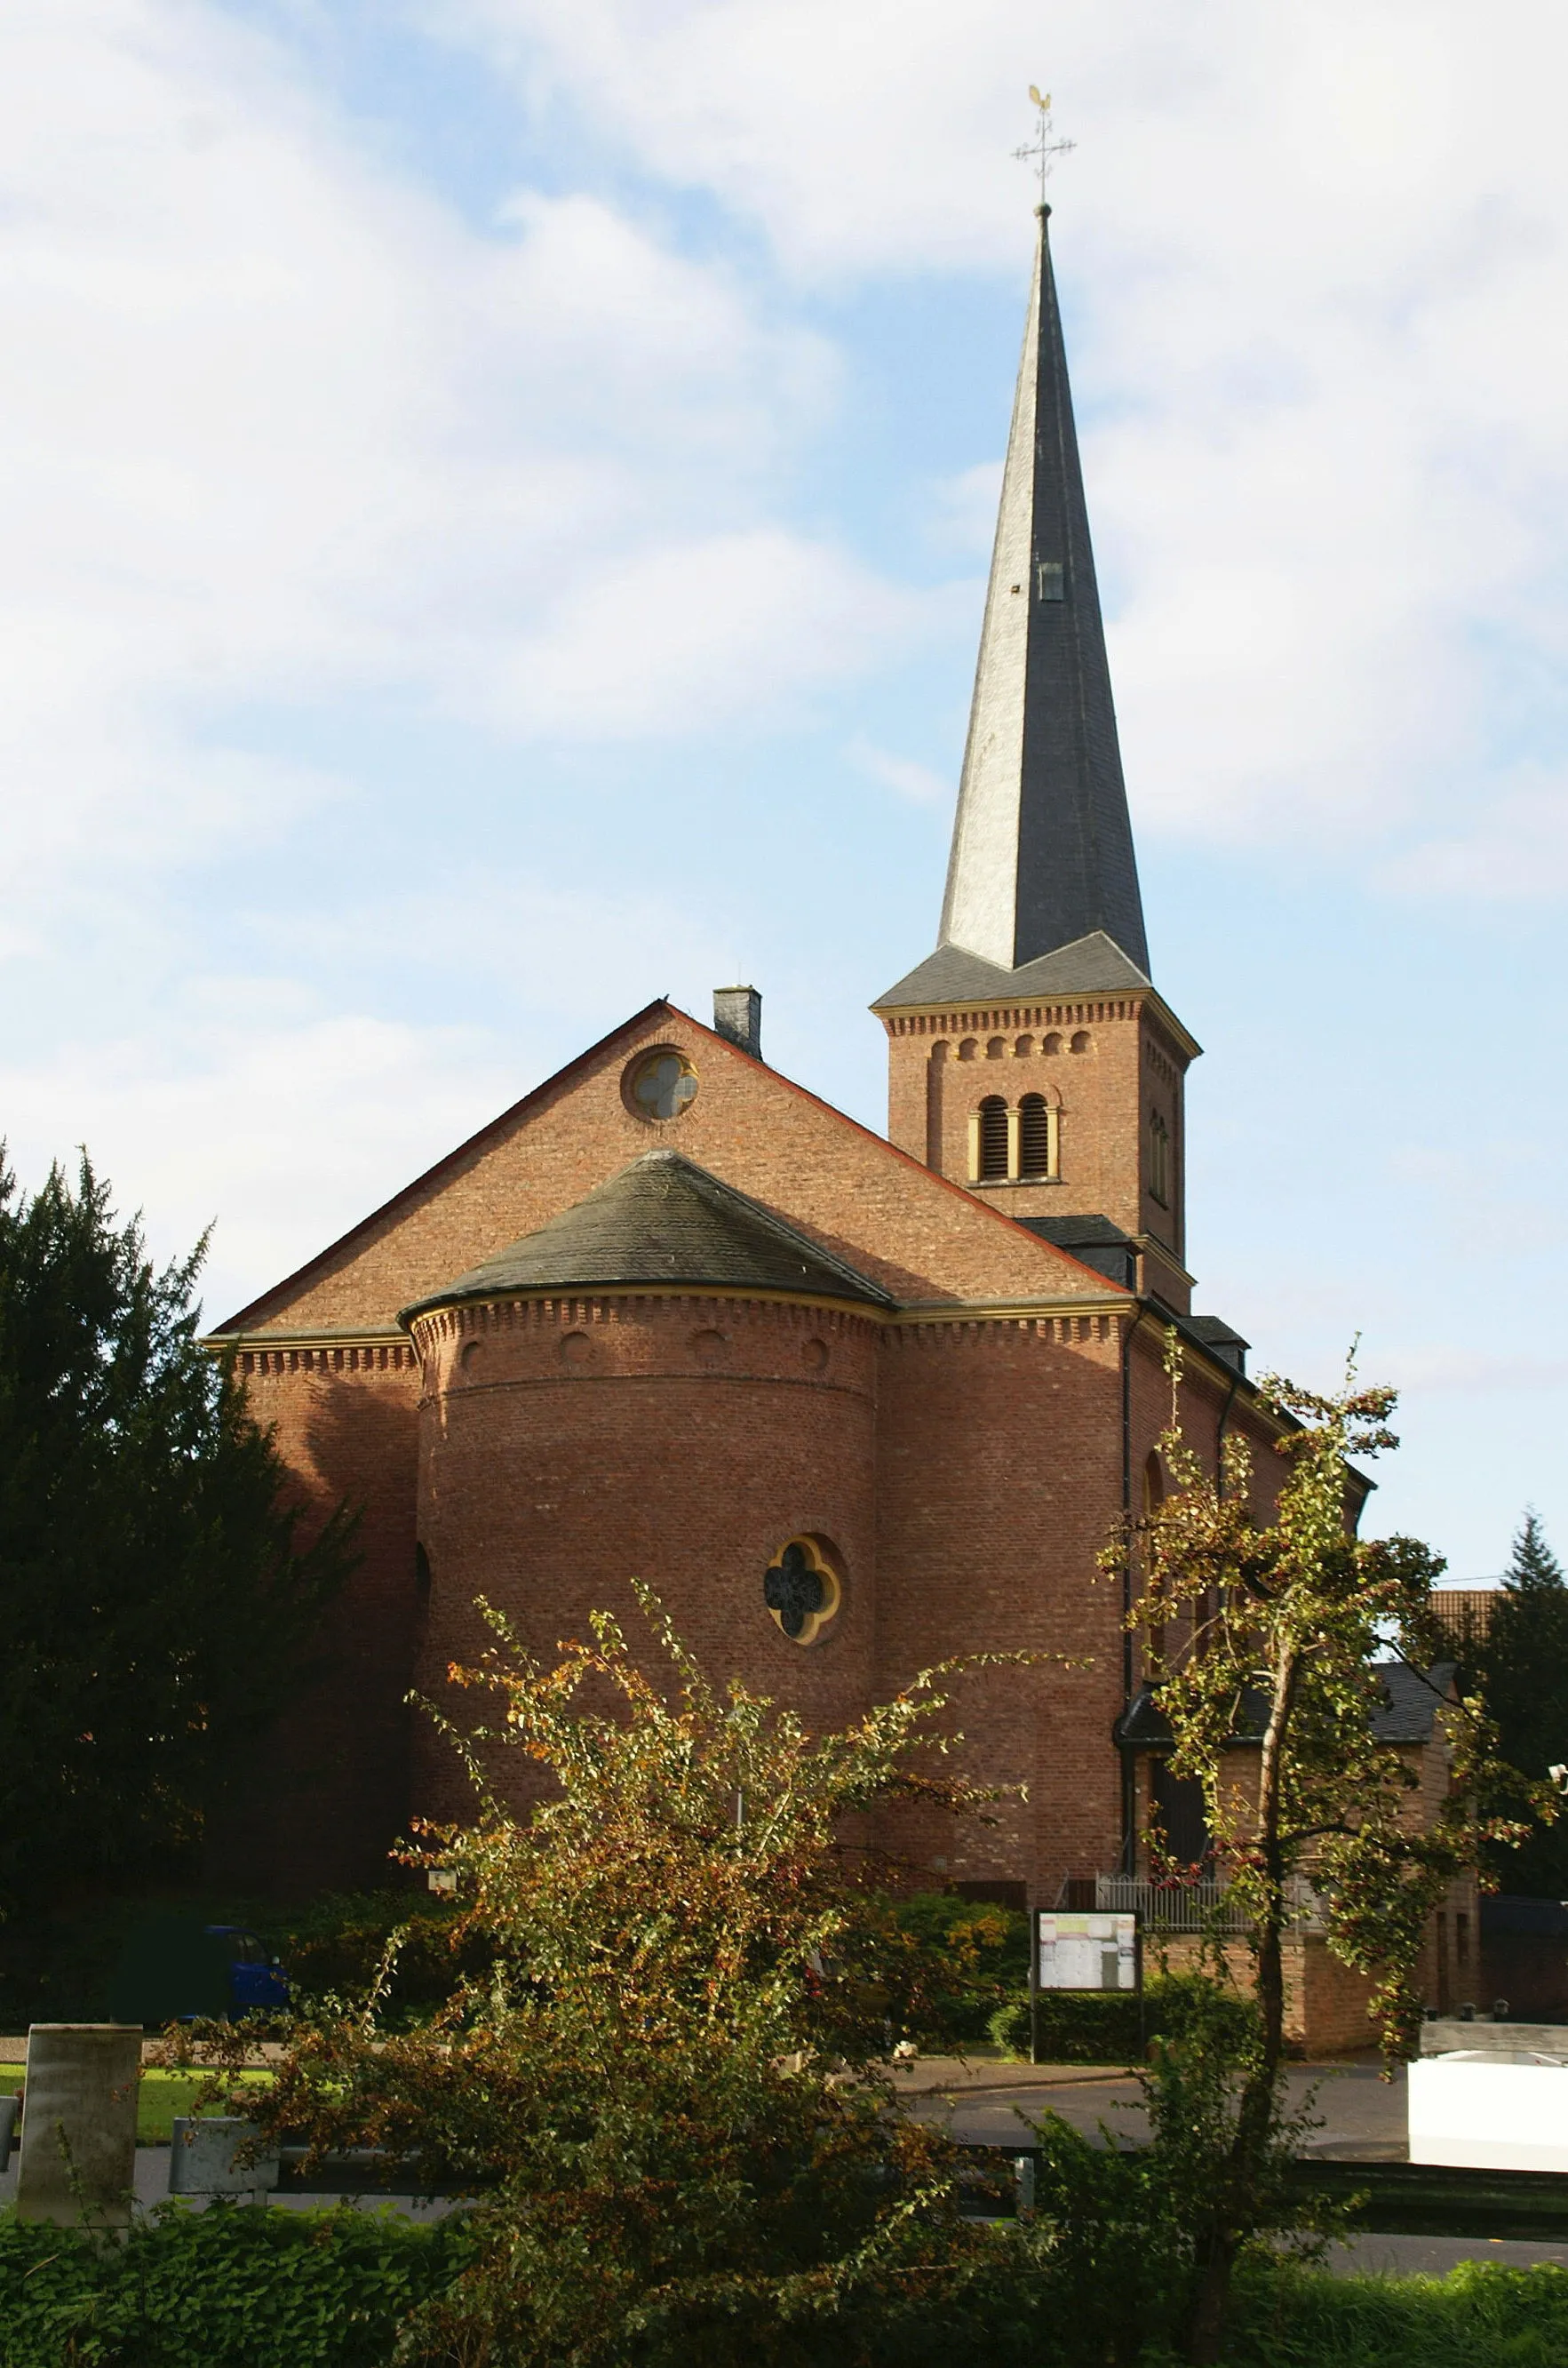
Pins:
<point x="1111" y="2027"/>
<point x="971" y="1955"/>
<point x="232" y="2287"/>
<point x="644" y="2094"/>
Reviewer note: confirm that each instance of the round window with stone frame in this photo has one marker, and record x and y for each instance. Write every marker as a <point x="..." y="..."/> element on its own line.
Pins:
<point x="660" y="1085"/>
<point x="803" y="1589"/>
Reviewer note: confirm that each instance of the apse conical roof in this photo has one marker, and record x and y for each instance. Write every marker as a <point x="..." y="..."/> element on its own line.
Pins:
<point x="661" y="1219"/>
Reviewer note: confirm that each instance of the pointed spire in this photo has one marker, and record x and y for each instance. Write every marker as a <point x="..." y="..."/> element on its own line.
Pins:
<point x="1042" y="844"/>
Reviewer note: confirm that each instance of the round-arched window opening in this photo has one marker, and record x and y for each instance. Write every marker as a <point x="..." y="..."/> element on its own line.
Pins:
<point x="1080" y="1042"/>
<point x="993" y="1141"/>
<point x="1034" y="1135"/>
<point x="660" y="1085"/>
<point x="1051" y="1043"/>
<point x="803" y="1589"/>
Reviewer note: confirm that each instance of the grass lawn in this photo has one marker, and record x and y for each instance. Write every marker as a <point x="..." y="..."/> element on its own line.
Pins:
<point x="164" y="2094"/>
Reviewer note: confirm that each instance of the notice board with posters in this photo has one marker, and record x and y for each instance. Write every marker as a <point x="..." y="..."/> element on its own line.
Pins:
<point x="1085" y="1950"/>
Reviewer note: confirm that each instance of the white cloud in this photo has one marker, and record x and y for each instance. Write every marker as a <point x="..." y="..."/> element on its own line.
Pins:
<point x="918" y="783"/>
<point x="965" y="509"/>
<point x="286" y="1125"/>
<point x="686" y="635"/>
<point x="288" y="1110"/>
<point x="278" y="428"/>
<point x="1515" y="851"/>
<point x="1315" y="269"/>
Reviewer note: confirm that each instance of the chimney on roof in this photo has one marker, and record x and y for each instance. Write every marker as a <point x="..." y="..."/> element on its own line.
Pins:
<point x="737" y="1014"/>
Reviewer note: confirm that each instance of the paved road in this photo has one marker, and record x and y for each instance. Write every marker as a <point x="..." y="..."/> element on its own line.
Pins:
<point x="1358" y="2112"/>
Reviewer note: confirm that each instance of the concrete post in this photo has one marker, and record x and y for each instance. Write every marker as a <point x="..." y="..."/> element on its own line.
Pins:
<point x="78" y="2161"/>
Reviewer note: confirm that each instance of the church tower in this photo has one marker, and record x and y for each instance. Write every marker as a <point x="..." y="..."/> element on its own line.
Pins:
<point x="1030" y="1057"/>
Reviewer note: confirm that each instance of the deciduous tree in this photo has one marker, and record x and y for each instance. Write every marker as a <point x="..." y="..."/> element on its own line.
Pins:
<point x="1272" y="1631"/>
<point x="665" y="2096"/>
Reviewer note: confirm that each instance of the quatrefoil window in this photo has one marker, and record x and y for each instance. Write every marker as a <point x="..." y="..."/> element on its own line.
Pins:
<point x="801" y="1590"/>
<point x="662" y="1084"/>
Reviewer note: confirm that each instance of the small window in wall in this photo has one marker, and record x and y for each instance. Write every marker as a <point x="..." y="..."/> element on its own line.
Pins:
<point x="1036" y="1136"/>
<point x="1159" y="1159"/>
<point x="993" y="1160"/>
<point x="802" y="1588"/>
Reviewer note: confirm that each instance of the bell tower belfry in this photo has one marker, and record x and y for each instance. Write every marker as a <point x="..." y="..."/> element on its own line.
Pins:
<point x="1030" y="1057"/>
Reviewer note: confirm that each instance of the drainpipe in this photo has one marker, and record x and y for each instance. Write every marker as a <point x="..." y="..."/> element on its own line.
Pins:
<point x="1129" y="1762"/>
<point x="1220" y="1438"/>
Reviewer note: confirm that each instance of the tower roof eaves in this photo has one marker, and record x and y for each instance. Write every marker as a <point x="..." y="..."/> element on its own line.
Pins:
<point x="953" y="979"/>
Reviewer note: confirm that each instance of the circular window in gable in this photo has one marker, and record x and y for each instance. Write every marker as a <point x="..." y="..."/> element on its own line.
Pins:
<point x="803" y="1590"/>
<point x="660" y="1084"/>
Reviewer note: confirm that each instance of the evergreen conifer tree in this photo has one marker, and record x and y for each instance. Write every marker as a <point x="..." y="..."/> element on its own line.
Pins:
<point x="154" y="1598"/>
<point x="1524" y="1670"/>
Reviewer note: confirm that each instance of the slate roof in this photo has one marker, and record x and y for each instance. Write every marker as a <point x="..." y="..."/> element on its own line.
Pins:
<point x="1094" y="1241"/>
<point x="663" y="1219"/>
<point x="1093" y="964"/>
<point x="1412" y="1699"/>
<point x="1214" y="1332"/>
<point x="1079" y="1233"/>
<point x="1042" y="853"/>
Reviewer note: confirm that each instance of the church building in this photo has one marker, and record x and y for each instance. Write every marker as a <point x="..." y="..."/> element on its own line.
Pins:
<point x="852" y="1404"/>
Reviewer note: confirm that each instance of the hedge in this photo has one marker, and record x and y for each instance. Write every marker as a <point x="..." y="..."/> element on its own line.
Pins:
<point x="1105" y="2026"/>
<point x="234" y="2286"/>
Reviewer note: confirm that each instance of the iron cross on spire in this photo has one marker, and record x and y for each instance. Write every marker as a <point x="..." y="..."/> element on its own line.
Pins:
<point x="1042" y="147"/>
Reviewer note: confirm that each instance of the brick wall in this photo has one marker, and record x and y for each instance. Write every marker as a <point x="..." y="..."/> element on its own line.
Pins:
<point x="330" y="1793"/>
<point x="888" y="1216"/>
<point x="1106" y="1064"/>
<point x="966" y="1470"/>
<point x="569" y="1445"/>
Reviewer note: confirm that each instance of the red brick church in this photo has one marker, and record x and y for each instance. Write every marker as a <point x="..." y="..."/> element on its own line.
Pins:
<point x="852" y="1404"/>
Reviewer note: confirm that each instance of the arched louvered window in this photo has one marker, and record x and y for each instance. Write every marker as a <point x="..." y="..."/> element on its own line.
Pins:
<point x="1034" y="1136"/>
<point x="992" y="1140"/>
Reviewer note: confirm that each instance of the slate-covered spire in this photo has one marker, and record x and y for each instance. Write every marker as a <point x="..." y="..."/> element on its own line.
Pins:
<point x="1042" y="846"/>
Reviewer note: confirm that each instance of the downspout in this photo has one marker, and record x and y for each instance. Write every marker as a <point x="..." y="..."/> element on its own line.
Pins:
<point x="1219" y="1439"/>
<point x="1129" y="1761"/>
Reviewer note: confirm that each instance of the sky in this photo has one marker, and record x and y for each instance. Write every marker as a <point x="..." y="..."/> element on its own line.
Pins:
<point x="495" y="502"/>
